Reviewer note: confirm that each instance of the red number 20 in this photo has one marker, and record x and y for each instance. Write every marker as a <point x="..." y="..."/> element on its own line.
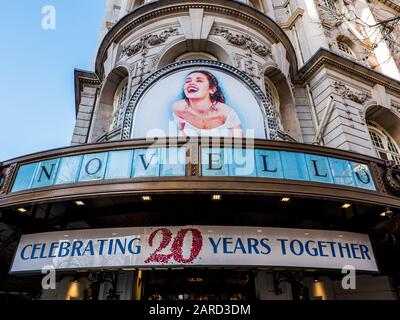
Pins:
<point x="176" y="248"/>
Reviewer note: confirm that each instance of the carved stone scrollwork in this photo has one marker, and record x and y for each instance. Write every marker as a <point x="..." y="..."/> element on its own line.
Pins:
<point x="395" y="106"/>
<point x="392" y="177"/>
<point x="8" y="177"/>
<point x="148" y="41"/>
<point x="242" y="41"/>
<point x="347" y="93"/>
<point x="378" y="177"/>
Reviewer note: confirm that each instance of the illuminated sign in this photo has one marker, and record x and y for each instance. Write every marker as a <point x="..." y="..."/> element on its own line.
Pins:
<point x="201" y="100"/>
<point x="288" y="165"/>
<point x="193" y="246"/>
<point x="167" y="162"/>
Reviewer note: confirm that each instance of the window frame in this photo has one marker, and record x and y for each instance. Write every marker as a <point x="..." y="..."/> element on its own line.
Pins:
<point x="386" y="140"/>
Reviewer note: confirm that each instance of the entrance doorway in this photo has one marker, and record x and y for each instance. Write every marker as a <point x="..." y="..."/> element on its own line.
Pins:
<point x="198" y="284"/>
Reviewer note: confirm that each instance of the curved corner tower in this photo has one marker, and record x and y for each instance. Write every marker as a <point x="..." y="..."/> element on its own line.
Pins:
<point x="222" y="150"/>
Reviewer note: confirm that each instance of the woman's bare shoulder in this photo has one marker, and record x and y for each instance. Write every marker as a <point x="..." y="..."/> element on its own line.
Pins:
<point x="179" y="105"/>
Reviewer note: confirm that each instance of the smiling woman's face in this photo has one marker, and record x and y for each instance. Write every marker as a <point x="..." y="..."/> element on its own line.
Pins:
<point x="197" y="86"/>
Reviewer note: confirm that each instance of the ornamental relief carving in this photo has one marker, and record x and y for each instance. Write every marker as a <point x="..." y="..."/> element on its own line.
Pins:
<point x="346" y="93"/>
<point x="392" y="177"/>
<point x="148" y="41"/>
<point x="242" y="41"/>
<point x="7" y="178"/>
<point x="246" y="64"/>
<point x="395" y="106"/>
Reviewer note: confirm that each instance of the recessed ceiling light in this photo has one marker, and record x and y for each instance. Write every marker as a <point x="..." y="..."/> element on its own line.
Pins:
<point x="22" y="210"/>
<point x="259" y="230"/>
<point x="285" y="199"/>
<point x="216" y="197"/>
<point x="346" y="205"/>
<point x="146" y="198"/>
<point x="79" y="203"/>
<point x="340" y="236"/>
<point x="306" y="233"/>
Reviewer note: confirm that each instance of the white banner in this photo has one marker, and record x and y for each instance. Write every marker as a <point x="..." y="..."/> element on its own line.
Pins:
<point x="193" y="246"/>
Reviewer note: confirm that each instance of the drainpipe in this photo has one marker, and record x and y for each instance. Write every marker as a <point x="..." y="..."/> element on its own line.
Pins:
<point x="324" y="120"/>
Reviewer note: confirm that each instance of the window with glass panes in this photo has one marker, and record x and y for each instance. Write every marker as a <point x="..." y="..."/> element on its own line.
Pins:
<point x="119" y="100"/>
<point x="384" y="144"/>
<point x="344" y="47"/>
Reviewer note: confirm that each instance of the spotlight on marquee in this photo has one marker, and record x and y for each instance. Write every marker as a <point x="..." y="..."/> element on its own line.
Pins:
<point x="79" y="203"/>
<point x="216" y="197"/>
<point x="146" y="198"/>
<point x="285" y="199"/>
<point x="22" y="210"/>
<point x="346" y="205"/>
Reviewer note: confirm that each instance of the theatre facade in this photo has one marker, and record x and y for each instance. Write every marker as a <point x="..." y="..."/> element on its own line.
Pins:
<point x="223" y="150"/>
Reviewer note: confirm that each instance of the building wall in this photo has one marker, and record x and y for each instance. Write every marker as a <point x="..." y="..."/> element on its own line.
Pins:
<point x="307" y="23"/>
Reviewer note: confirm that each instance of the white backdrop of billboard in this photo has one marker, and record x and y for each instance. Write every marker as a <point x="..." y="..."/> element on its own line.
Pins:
<point x="193" y="246"/>
<point x="155" y="116"/>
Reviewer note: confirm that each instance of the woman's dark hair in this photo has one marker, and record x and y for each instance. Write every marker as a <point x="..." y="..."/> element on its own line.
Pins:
<point x="218" y="95"/>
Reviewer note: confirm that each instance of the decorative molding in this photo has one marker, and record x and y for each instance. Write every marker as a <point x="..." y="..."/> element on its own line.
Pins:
<point x="148" y="41"/>
<point x="395" y="106"/>
<point x="157" y="9"/>
<point x="8" y="177"/>
<point x="268" y="110"/>
<point x="347" y="93"/>
<point x="332" y="60"/>
<point x="291" y="21"/>
<point x="378" y="177"/>
<point x="392" y="176"/>
<point x="247" y="64"/>
<point x="242" y="41"/>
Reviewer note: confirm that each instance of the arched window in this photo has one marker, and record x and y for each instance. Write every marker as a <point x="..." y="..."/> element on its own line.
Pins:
<point x="120" y="98"/>
<point x="384" y="144"/>
<point x="272" y="94"/>
<point x="330" y="4"/>
<point x="345" y="48"/>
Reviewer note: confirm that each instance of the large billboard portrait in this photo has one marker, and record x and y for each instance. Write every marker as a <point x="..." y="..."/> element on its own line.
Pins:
<point x="199" y="101"/>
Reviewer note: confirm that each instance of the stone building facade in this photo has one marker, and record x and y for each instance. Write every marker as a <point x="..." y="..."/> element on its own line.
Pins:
<point x="321" y="72"/>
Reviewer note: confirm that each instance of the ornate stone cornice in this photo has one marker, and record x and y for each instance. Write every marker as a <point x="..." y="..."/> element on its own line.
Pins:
<point x="82" y="77"/>
<point x="346" y="93"/>
<point x="148" y="41"/>
<point x="289" y="23"/>
<point x="242" y="41"/>
<point x="157" y="9"/>
<point x="326" y="58"/>
<point x="395" y="106"/>
<point x="390" y="4"/>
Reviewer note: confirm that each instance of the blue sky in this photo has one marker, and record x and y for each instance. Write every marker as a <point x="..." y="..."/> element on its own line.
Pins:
<point x="37" y="109"/>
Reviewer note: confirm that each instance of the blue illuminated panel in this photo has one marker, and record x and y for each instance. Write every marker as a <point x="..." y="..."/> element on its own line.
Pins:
<point x="168" y="162"/>
<point x="289" y="165"/>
